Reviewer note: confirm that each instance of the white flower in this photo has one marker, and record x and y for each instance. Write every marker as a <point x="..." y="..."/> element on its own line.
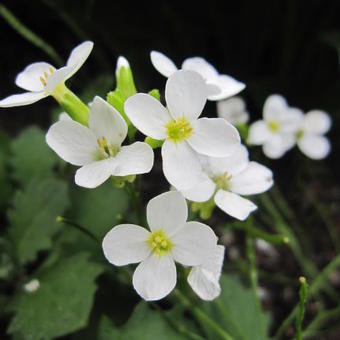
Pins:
<point x="229" y="178"/>
<point x="276" y="132"/>
<point x="185" y="135"/>
<point x="220" y="86"/>
<point x="64" y="116"/>
<point x="233" y="110"/>
<point x="98" y="149"/>
<point x="204" y="279"/>
<point x="32" y="286"/>
<point x="171" y="239"/>
<point x="41" y="79"/>
<point x="310" y="139"/>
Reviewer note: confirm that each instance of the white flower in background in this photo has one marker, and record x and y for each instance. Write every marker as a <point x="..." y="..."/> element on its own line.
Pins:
<point x="220" y="86"/>
<point x="310" y="139"/>
<point x="185" y="135"/>
<point x="229" y="178"/>
<point x="32" y="286"/>
<point x="233" y="110"/>
<point x="276" y="132"/>
<point x="97" y="148"/>
<point x="204" y="279"/>
<point x="41" y="79"/>
<point x="171" y="239"/>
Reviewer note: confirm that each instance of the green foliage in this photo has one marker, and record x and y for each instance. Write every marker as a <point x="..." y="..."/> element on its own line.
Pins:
<point x="5" y="183"/>
<point x="63" y="302"/>
<point x="33" y="216"/>
<point x="31" y="156"/>
<point x="154" y="143"/>
<point x="155" y="93"/>
<point x="144" y="324"/>
<point x="236" y="311"/>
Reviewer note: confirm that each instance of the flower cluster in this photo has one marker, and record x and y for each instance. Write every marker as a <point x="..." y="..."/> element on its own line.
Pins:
<point x="203" y="158"/>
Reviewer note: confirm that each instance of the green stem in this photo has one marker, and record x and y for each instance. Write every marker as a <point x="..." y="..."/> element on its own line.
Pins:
<point x="315" y="287"/>
<point x="200" y="315"/>
<point x="302" y="303"/>
<point x="135" y="201"/>
<point x="26" y="33"/>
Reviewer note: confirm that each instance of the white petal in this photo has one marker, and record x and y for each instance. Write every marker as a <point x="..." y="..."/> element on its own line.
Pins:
<point x="234" y="205"/>
<point x="167" y="212"/>
<point x="162" y="64"/>
<point x="274" y="107"/>
<point x="181" y="166"/>
<point x="106" y="121"/>
<point x="233" y="164"/>
<point x="78" y="56"/>
<point x="193" y="243"/>
<point x="228" y="87"/>
<point x="291" y="120"/>
<point x="134" y="159"/>
<point x="125" y="244"/>
<point x="64" y="116"/>
<point x="204" y="279"/>
<point x="214" y="137"/>
<point x="255" y="179"/>
<point x="314" y="146"/>
<point x="29" y="78"/>
<point x="155" y="277"/>
<point x="201" y="192"/>
<point x="22" y="99"/>
<point x="121" y="62"/>
<point x="278" y="145"/>
<point x="316" y="121"/>
<point x="201" y="66"/>
<point x="72" y="141"/>
<point x="94" y="174"/>
<point x="233" y="110"/>
<point x="57" y="78"/>
<point x="147" y="114"/>
<point x="258" y="133"/>
<point x="185" y="94"/>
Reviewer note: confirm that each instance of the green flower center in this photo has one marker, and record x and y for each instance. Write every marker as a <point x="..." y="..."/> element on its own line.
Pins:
<point x="299" y="134"/>
<point x="106" y="150"/>
<point x="273" y="126"/>
<point x="222" y="181"/>
<point x="178" y="130"/>
<point x="159" y="243"/>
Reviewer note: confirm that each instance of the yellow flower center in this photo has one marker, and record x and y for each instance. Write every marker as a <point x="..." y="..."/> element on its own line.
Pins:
<point x="273" y="126"/>
<point x="222" y="181"/>
<point x="45" y="75"/>
<point x="178" y="130"/>
<point x="159" y="243"/>
<point x="299" y="134"/>
<point x="106" y="150"/>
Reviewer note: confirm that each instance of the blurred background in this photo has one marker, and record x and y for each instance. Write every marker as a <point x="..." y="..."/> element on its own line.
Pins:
<point x="287" y="47"/>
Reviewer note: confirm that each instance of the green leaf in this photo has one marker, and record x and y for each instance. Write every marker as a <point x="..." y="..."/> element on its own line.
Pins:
<point x="236" y="311"/>
<point x="31" y="156"/>
<point x="63" y="302"/>
<point x="144" y="324"/>
<point x="155" y="93"/>
<point x="5" y="183"/>
<point x="33" y="217"/>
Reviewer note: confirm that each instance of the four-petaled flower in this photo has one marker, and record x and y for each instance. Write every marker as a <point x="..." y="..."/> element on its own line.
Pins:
<point x="229" y="178"/>
<point x="97" y="148"/>
<point x="233" y="110"/>
<point x="204" y="279"/>
<point x="219" y="86"/>
<point x="310" y="140"/>
<point x="171" y="239"/>
<point x="185" y="135"/>
<point x="41" y="79"/>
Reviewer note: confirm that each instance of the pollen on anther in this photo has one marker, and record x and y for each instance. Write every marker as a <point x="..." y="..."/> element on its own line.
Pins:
<point x="43" y="81"/>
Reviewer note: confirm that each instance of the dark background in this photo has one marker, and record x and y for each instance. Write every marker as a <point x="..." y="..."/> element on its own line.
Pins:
<point x="287" y="47"/>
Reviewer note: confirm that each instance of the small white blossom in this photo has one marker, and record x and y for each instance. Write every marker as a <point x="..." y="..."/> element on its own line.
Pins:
<point x="32" y="286"/>
<point x="97" y="148"/>
<point x="310" y="140"/>
<point x="228" y="179"/>
<point x="276" y="132"/>
<point x="233" y="110"/>
<point x="171" y="239"/>
<point x="41" y="79"/>
<point x="220" y="86"/>
<point x="204" y="279"/>
<point x="185" y="135"/>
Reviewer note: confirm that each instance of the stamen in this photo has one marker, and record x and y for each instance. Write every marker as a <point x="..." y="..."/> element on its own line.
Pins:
<point x="51" y="69"/>
<point x="45" y="74"/>
<point x="159" y="243"/>
<point x="43" y="81"/>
